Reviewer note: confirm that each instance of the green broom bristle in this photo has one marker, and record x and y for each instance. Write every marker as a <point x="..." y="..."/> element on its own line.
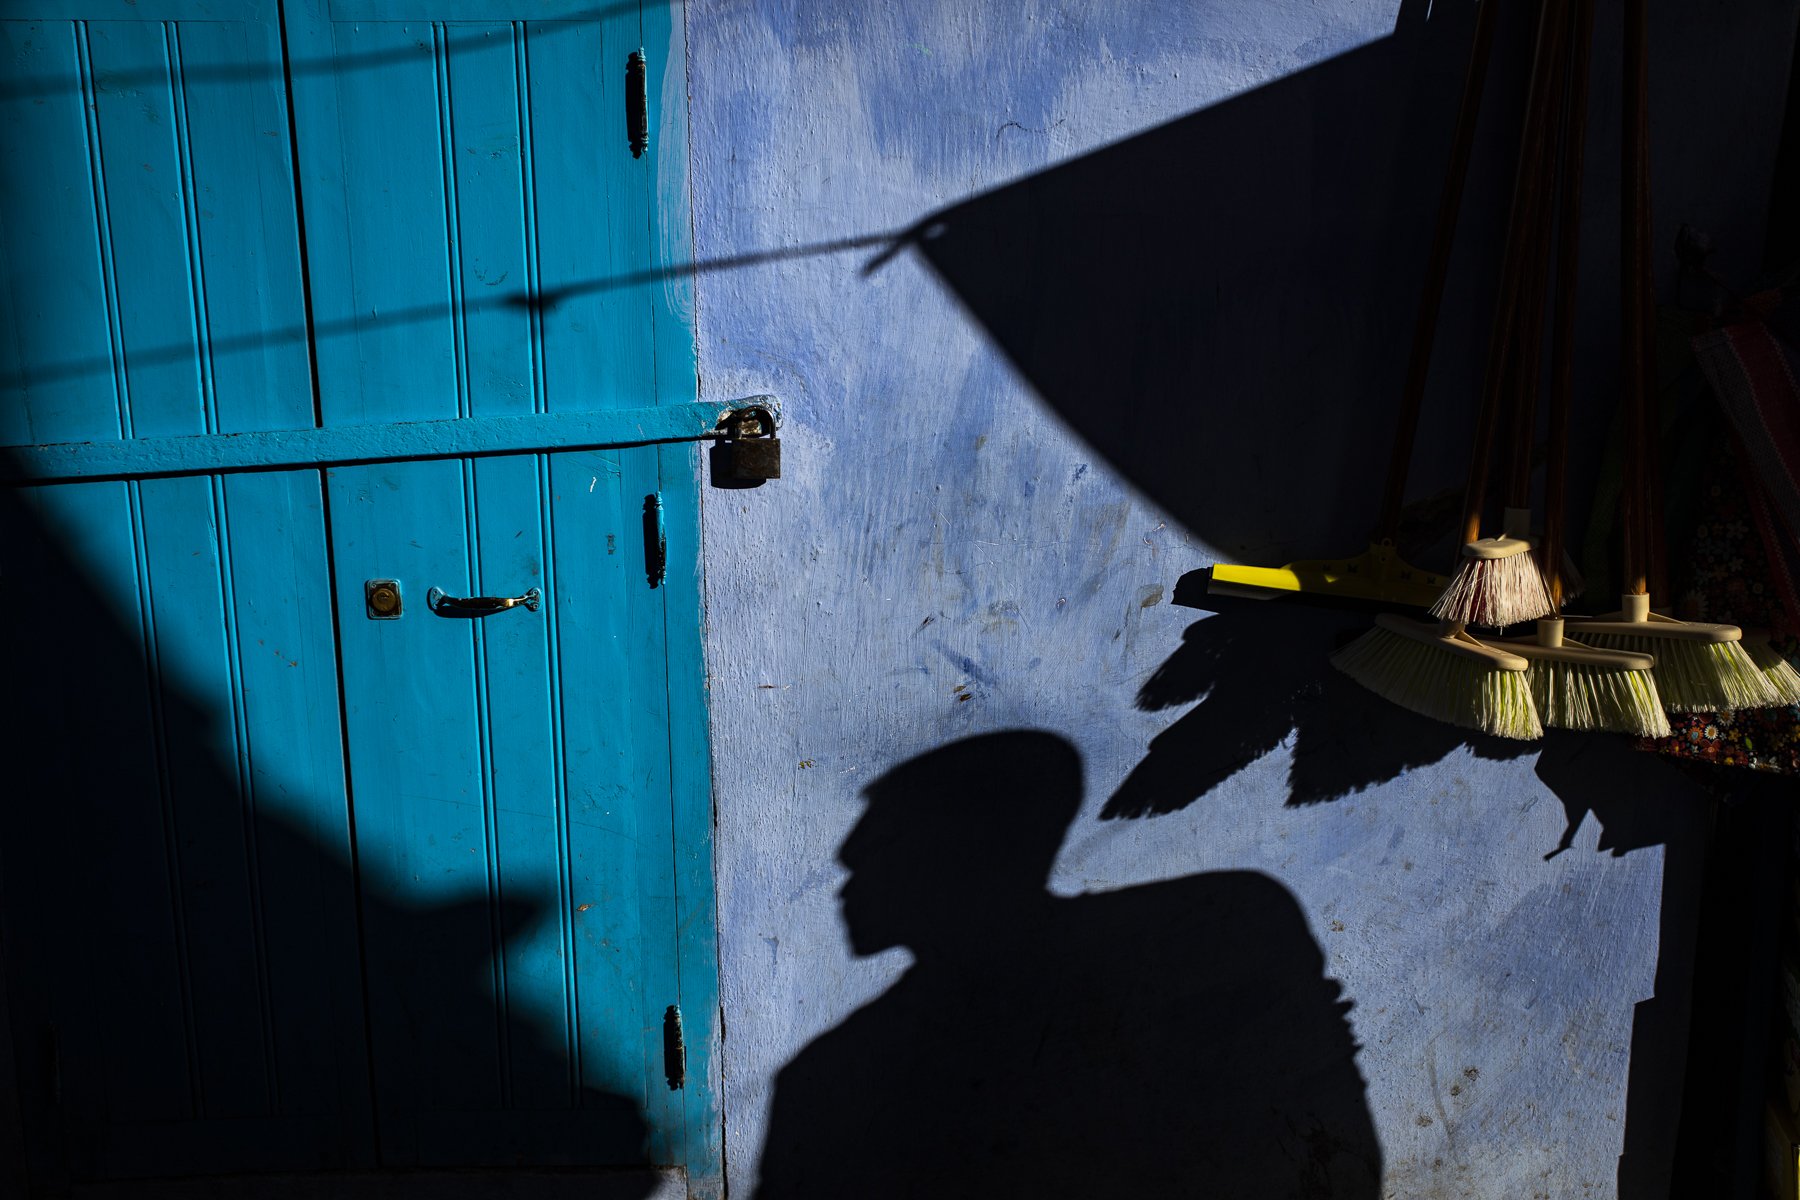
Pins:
<point x="1582" y="696"/>
<point x="1693" y="676"/>
<point x="1777" y="672"/>
<point x="1440" y="685"/>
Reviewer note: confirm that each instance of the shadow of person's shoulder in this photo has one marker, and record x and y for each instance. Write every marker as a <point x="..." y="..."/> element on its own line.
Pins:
<point x="1223" y="1013"/>
<point x="1222" y="910"/>
<point x="1231" y="950"/>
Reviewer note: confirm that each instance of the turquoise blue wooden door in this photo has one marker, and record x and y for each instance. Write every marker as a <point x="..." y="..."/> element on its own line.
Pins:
<point x="471" y="855"/>
<point x="179" y="917"/>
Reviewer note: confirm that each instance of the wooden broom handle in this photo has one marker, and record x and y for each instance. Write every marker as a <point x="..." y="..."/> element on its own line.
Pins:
<point x="1634" y="274"/>
<point x="1526" y="369"/>
<point x="1499" y="340"/>
<point x="1568" y="261"/>
<point x="1656" y="566"/>
<point x="1437" y="268"/>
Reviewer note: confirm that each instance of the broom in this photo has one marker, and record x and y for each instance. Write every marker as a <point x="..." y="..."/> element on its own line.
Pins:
<point x="1444" y="673"/>
<point x="1379" y="573"/>
<point x="1699" y="666"/>
<point x="1497" y="582"/>
<point x="1777" y="672"/>
<point x="1576" y="686"/>
<point x="1441" y="671"/>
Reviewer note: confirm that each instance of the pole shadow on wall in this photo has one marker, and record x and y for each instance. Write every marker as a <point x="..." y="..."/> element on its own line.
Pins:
<point x="1172" y="1039"/>
<point x="124" y="906"/>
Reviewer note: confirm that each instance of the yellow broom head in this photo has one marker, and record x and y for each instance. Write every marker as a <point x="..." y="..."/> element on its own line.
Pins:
<point x="1700" y="667"/>
<point x="1378" y="574"/>
<point x="1777" y="671"/>
<point x="1498" y="582"/>
<point x="1445" y="674"/>
<point x="1582" y="687"/>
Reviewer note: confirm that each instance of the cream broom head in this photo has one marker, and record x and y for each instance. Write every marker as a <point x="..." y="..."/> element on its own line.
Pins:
<point x="1584" y="688"/>
<point x="1498" y="582"/>
<point x="1700" y="666"/>
<point x="1442" y="672"/>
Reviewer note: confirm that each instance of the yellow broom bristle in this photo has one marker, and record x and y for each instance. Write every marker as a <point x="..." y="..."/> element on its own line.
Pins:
<point x="1440" y="685"/>
<point x="1581" y="696"/>
<point x="1694" y="676"/>
<point x="1777" y="672"/>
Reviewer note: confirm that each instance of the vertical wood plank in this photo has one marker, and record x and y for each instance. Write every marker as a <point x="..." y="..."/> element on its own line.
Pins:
<point x="99" y="1037"/>
<point x="590" y="213"/>
<point x="13" y="1176"/>
<point x="56" y="352"/>
<point x="421" y="826"/>
<point x="594" y="571"/>
<point x="202" y="758"/>
<point x="245" y="234"/>
<point x="492" y="184"/>
<point x="380" y="246"/>
<point x="294" y="793"/>
<point x="145" y="226"/>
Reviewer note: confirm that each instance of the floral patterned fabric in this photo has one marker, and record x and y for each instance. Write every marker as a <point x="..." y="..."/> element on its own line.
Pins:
<point x="1731" y="579"/>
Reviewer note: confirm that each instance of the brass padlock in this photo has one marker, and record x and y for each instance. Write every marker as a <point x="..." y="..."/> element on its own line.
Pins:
<point x="750" y="453"/>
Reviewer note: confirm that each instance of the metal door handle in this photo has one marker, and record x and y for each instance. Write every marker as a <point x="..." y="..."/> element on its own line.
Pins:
<point x="477" y="606"/>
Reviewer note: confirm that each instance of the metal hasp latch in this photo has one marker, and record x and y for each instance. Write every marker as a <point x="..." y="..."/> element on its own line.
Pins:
<point x="749" y="453"/>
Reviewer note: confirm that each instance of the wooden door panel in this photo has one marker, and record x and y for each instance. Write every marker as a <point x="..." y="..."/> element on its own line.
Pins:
<point x="219" y="956"/>
<point x="590" y="205"/>
<point x="219" y="944"/>
<point x="616" y="780"/>
<point x="517" y="660"/>
<point x="607" y="853"/>
<point x="380" y="226"/>
<point x="146" y="199"/>
<point x="187" y="700"/>
<point x="480" y="247"/>
<point x="151" y="239"/>
<point x="416" y="762"/>
<point x="497" y="806"/>
<point x="149" y="231"/>
<point x="97" y="804"/>
<point x="59" y="343"/>
<point x="291" y="780"/>
<point x="480" y="232"/>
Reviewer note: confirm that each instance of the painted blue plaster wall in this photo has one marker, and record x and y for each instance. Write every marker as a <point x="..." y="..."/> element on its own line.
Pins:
<point x="940" y="529"/>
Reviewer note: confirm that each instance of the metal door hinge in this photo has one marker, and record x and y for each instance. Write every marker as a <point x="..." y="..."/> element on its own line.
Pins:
<point x="674" y="1048"/>
<point x="656" y="541"/>
<point x="637" y="104"/>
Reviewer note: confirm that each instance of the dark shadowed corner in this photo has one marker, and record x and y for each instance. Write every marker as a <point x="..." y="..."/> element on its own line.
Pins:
<point x="130" y="908"/>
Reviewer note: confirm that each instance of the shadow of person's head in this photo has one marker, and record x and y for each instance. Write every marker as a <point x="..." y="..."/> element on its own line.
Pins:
<point x="1189" y="1019"/>
<point x="956" y="837"/>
